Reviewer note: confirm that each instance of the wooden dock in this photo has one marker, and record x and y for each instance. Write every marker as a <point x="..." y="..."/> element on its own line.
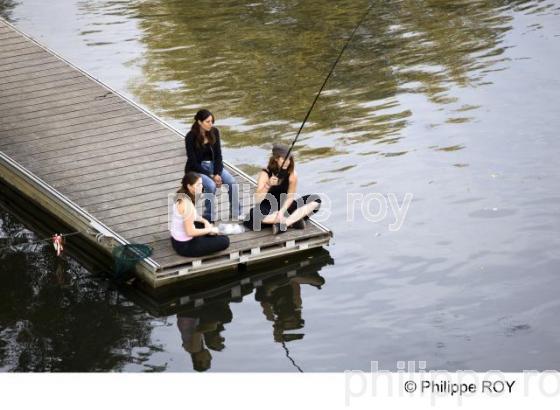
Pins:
<point x="106" y="166"/>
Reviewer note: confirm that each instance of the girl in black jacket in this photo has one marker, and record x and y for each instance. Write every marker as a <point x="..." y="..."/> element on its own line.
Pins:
<point x="204" y="156"/>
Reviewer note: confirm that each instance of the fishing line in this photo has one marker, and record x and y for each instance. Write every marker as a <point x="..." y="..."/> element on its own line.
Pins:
<point x="325" y="83"/>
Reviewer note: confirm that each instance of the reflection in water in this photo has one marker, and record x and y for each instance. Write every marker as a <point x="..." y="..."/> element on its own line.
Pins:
<point x="261" y="78"/>
<point x="202" y="316"/>
<point x="281" y="303"/>
<point x="54" y="314"/>
<point x="200" y="332"/>
<point x="6" y="7"/>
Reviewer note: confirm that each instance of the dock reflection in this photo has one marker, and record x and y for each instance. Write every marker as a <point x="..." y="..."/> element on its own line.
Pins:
<point x="201" y="316"/>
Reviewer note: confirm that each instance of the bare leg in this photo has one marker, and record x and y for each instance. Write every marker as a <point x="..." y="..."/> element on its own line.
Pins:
<point x="301" y="212"/>
<point x="269" y="219"/>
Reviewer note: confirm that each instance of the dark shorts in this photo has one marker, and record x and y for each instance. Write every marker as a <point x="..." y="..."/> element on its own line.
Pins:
<point x="254" y="221"/>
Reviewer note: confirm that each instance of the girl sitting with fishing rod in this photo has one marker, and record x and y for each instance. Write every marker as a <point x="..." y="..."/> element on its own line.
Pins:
<point x="275" y="201"/>
<point x="204" y="156"/>
<point x="191" y="235"/>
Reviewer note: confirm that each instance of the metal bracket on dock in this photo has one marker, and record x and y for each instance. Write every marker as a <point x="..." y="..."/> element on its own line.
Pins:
<point x="255" y="251"/>
<point x="291" y="244"/>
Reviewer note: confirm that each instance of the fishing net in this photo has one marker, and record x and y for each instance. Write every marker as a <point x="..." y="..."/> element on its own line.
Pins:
<point x="126" y="256"/>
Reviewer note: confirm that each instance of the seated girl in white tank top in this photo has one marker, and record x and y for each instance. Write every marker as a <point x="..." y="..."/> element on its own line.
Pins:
<point x="191" y="235"/>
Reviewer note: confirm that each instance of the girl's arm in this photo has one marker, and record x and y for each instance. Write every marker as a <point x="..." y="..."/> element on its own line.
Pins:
<point x="263" y="186"/>
<point x="218" y="164"/>
<point x="186" y="208"/>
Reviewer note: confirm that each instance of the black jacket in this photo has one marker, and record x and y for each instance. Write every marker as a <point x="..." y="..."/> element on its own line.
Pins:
<point x="194" y="154"/>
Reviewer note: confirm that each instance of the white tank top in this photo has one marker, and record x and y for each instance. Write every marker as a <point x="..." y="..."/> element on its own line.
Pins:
<point x="178" y="231"/>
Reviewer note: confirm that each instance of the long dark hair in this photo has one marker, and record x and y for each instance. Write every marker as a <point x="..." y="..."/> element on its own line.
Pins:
<point x="275" y="168"/>
<point x="189" y="178"/>
<point x="199" y="133"/>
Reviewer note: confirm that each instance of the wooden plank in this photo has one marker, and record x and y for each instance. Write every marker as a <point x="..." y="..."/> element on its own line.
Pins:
<point x="12" y="43"/>
<point x="110" y="172"/>
<point x="32" y="69"/>
<point x="136" y="217"/>
<point x="68" y="152"/>
<point x="101" y="162"/>
<point x="45" y="73"/>
<point x="108" y="160"/>
<point x="96" y="155"/>
<point x="21" y="58"/>
<point x="5" y="33"/>
<point x="24" y="63"/>
<point x="131" y="207"/>
<point x="41" y="107"/>
<point x="7" y="39"/>
<point x="48" y="95"/>
<point x="160" y="194"/>
<point x="31" y="80"/>
<point x="117" y="167"/>
<point x="57" y="96"/>
<point x="69" y="127"/>
<point x="20" y="48"/>
<point x="63" y="120"/>
<point x="128" y="184"/>
<point x="18" y="53"/>
<point x="16" y="47"/>
<point x="77" y="139"/>
<point x="5" y="30"/>
<point x="144" y="195"/>
<point x="49" y="112"/>
<point x="170" y="185"/>
<point x="89" y="126"/>
<point x="51" y="85"/>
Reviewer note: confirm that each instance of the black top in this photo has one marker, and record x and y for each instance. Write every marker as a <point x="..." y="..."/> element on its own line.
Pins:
<point x="207" y="153"/>
<point x="196" y="154"/>
<point x="281" y="188"/>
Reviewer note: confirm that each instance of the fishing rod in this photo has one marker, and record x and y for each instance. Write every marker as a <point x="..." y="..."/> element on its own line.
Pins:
<point x="325" y="83"/>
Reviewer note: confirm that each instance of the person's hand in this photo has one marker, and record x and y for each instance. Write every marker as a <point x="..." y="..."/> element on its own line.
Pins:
<point x="214" y="231"/>
<point x="217" y="180"/>
<point x="207" y="224"/>
<point x="273" y="180"/>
